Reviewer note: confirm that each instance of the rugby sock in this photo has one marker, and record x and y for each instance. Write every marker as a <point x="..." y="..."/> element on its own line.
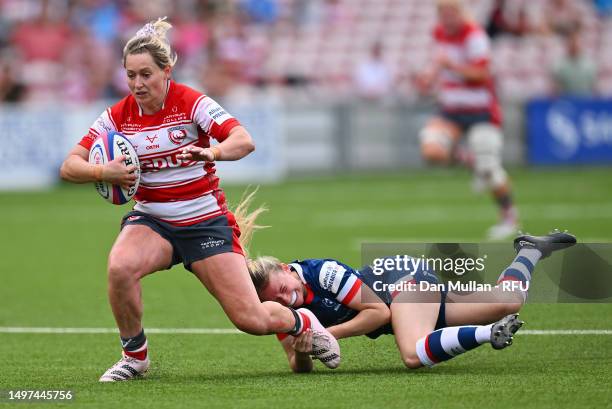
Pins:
<point x="135" y="347"/>
<point x="446" y="343"/>
<point x="302" y="322"/>
<point x="521" y="268"/>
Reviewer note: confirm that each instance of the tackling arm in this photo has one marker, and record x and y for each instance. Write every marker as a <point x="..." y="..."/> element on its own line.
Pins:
<point x="371" y="316"/>
<point x="299" y="362"/>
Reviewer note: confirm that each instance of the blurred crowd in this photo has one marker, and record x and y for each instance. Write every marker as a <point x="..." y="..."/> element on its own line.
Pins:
<point x="70" y="50"/>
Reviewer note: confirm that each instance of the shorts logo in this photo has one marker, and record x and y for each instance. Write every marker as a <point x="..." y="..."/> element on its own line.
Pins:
<point x="177" y="134"/>
<point x="211" y="243"/>
<point x="133" y="218"/>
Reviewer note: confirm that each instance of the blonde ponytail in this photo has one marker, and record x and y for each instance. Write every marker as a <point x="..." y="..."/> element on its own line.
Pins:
<point x="246" y="219"/>
<point x="152" y="38"/>
<point x="261" y="267"/>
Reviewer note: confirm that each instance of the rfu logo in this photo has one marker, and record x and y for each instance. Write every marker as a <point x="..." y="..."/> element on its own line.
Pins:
<point x="177" y="134"/>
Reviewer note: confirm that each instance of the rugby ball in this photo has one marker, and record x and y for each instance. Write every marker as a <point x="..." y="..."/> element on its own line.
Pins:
<point x="106" y="148"/>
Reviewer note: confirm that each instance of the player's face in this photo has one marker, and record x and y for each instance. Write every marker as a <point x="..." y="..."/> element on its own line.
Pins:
<point x="284" y="287"/>
<point x="450" y="17"/>
<point x="147" y="82"/>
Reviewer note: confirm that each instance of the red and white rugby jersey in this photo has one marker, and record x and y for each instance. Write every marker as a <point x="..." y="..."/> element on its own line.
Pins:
<point x="470" y="47"/>
<point x="179" y="192"/>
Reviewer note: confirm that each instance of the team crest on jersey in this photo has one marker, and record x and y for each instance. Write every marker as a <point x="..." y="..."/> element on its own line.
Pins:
<point x="177" y="134"/>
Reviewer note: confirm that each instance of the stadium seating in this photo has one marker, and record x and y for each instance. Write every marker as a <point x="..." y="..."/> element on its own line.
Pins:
<point x="333" y="39"/>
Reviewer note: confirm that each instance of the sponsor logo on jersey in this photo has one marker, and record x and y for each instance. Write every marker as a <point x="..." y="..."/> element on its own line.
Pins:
<point x="177" y="134"/>
<point x="331" y="275"/>
<point x="163" y="162"/>
<point x="217" y="113"/>
<point x="151" y="140"/>
<point x="101" y="123"/>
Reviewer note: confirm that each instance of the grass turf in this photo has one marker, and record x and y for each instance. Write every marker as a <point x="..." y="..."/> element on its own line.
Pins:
<point x="55" y="245"/>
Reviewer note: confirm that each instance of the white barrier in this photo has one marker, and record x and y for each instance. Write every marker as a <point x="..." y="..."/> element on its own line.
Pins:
<point x="34" y="141"/>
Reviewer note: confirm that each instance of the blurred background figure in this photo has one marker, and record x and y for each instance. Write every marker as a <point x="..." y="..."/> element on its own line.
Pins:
<point x="11" y="89"/>
<point x="576" y="73"/>
<point x="470" y="113"/>
<point x="373" y="78"/>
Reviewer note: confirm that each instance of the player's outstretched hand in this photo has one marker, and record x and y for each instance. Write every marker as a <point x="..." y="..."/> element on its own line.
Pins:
<point x="303" y="342"/>
<point x="117" y="173"/>
<point x="198" y="154"/>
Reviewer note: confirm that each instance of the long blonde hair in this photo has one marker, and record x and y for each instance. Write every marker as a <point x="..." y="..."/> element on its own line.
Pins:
<point x="261" y="267"/>
<point x="152" y="38"/>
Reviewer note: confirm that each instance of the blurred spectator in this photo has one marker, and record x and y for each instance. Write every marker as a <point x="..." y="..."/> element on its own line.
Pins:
<point x="101" y="17"/>
<point x="11" y="89"/>
<point x="563" y="16"/>
<point x="42" y="44"/>
<point x="575" y="74"/>
<point x="373" y="79"/>
<point x="509" y="17"/>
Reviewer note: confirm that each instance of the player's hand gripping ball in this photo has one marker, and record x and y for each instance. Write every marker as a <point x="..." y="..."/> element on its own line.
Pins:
<point x="105" y="149"/>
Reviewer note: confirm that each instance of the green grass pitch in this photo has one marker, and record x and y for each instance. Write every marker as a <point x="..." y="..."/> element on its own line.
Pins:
<point x="54" y="246"/>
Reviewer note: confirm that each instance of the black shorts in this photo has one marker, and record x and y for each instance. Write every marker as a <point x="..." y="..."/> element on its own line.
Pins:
<point x="196" y="242"/>
<point x="465" y="120"/>
<point x="389" y="277"/>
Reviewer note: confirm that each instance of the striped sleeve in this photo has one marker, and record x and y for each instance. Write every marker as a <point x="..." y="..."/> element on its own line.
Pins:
<point x="213" y="118"/>
<point x="478" y="48"/>
<point x="339" y="280"/>
<point x="104" y="123"/>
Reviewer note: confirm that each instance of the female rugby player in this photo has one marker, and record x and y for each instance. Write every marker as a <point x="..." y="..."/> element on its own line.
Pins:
<point x="180" y="213"/>
<point x="468" y="106"/>
<point x="429" y="326"/>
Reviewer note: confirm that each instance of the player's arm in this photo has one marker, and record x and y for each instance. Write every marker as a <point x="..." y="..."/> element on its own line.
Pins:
<point x="472" y="72"/>
<point x="77" y="169"/>
<point x="299" y="362"/>
<point x="235" y="146"/>
<point x="372" y="315"/>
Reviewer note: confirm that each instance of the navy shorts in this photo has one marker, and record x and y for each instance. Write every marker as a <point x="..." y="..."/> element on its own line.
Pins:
<point x="393" y="276"/>
<point x="465" y="120"/>
<point x="196" y="242"/>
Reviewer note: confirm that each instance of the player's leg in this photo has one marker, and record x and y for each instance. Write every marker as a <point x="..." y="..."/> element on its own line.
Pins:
<point x="485" y="142"/>
<point x="411" y="320"/>
<point x="421" y="345"/>
<point x="512" y="288"/>
<point x="227" y="278"/>
<point x="437" y="140"/>
<point x="137" y="252"/>
<point x="420" y="326"/>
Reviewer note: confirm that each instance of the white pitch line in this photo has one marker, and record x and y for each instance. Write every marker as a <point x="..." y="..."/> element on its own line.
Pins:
<point x="220" y="331"/>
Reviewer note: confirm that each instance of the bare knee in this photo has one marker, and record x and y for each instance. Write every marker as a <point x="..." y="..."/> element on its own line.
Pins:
<point x="122" y="269"/>
<point x="411" y="360"/>
<point x="434" y="153"/>
<point x="506" y="308"/>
